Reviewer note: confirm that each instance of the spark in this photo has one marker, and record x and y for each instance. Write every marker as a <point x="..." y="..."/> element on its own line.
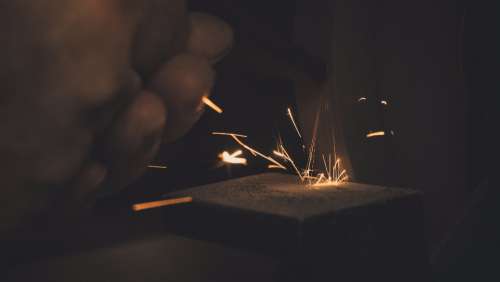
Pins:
<point x="282" y="153"/>
<point x="375" y="134"/>
<point x="335" y="174"/>
<point x="290" y="115"/>
<point x="161" y="203"/>
<point x="362" y="99"/>
<point x="157" y="166"/>
<point x="384" y="102"/>
<point x="233" y="158"/>
<point x="332" y="173"/>
<point x="229" y="134"/>
<point x="254" y="152"/>
<point x="211" y="104"/>
<point x="271" y="166"/>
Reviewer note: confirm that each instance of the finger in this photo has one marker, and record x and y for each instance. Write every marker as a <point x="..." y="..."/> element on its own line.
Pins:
<point x="135" y="139"/>
<point x="88" y="182"/>
<point x="161" y="34"/>
<point x="81" y="196"/>
<point x="182" y="83"/>
<point x="209" y="36"/>
<point x="146" y="116"/>
<point x="101" y="116"/>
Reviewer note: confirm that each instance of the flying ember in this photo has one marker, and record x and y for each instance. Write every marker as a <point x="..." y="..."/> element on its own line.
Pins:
<point x="330" y="174"/>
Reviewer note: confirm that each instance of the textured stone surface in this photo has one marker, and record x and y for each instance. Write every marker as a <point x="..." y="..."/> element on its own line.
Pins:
<point x="284" y="195"/>
<point x="316" y="232"/>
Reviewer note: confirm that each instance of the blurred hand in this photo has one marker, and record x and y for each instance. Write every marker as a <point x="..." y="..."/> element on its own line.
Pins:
<point x="91" y="88"/>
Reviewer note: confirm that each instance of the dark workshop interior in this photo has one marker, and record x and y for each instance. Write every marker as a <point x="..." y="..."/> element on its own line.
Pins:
<point x="403" y="90"/>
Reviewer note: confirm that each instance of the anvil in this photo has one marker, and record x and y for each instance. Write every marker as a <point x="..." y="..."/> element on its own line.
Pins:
<point x="359" y="230"/>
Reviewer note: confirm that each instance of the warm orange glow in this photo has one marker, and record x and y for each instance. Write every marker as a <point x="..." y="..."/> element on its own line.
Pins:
<point x="271" y="166"/>
<point x="290" y="115"/>
<point x="157" y="166"/>
<point x="254" y="152"/>
<point x="211" y="104"/>
<point x="332" y="173"/>
<point x="375" y="134"/>
<point x="233" y="158"/>
<point x="229" y="134"/>
<point x="162" y="203"/>
<point x="282" y="153"/>
<point x="335" y="174"/>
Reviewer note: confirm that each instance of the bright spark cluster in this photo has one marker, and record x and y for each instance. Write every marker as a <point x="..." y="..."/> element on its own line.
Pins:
<point x="233" y="158"/>
<point x="332" y="173"/>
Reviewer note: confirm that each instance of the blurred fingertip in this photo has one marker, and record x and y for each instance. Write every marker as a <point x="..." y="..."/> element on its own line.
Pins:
<point x="90" y="179"/>
<point x="209" y="36"/>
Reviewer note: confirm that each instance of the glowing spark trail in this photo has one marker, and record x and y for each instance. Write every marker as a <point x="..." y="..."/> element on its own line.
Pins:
<point x="362" y="99"/>
<point x="290" y="115"/>
<point x="233" y="158"/>
<point x="332" y="174"/>
<point x="254" y="152"/>
<point x="211" y="104"/>
<point x="157" y="166"/>
<point x="282" y="153"/>
<point x="273" y="166"/>
<point x="229" y="134"/>
<point x="162" y="203"/>
<point x="384" y="102"/>
<point x="375" y="134"/>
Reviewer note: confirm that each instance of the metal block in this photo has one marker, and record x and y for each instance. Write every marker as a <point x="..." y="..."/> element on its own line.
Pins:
<point x="355" y="229"/>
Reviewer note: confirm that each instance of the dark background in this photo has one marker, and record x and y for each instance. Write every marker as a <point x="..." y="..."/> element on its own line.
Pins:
<point x="434" y="61"/>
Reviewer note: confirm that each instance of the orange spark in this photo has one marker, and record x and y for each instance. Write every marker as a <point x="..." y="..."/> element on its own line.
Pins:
<point x="332" y="174"/>
<point x="211" y="104"/>
<point x="290" y="115"/>
<point x="157" y="166"/>
<point x="375" y="134"/>
<point x="229" y="134"/>
<point x="233" y="158"/>
<point x="282" y="153"/>
<point x="254" y="152"/>
<point x="161" y="203"/>
<point x="273" y="166"/>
